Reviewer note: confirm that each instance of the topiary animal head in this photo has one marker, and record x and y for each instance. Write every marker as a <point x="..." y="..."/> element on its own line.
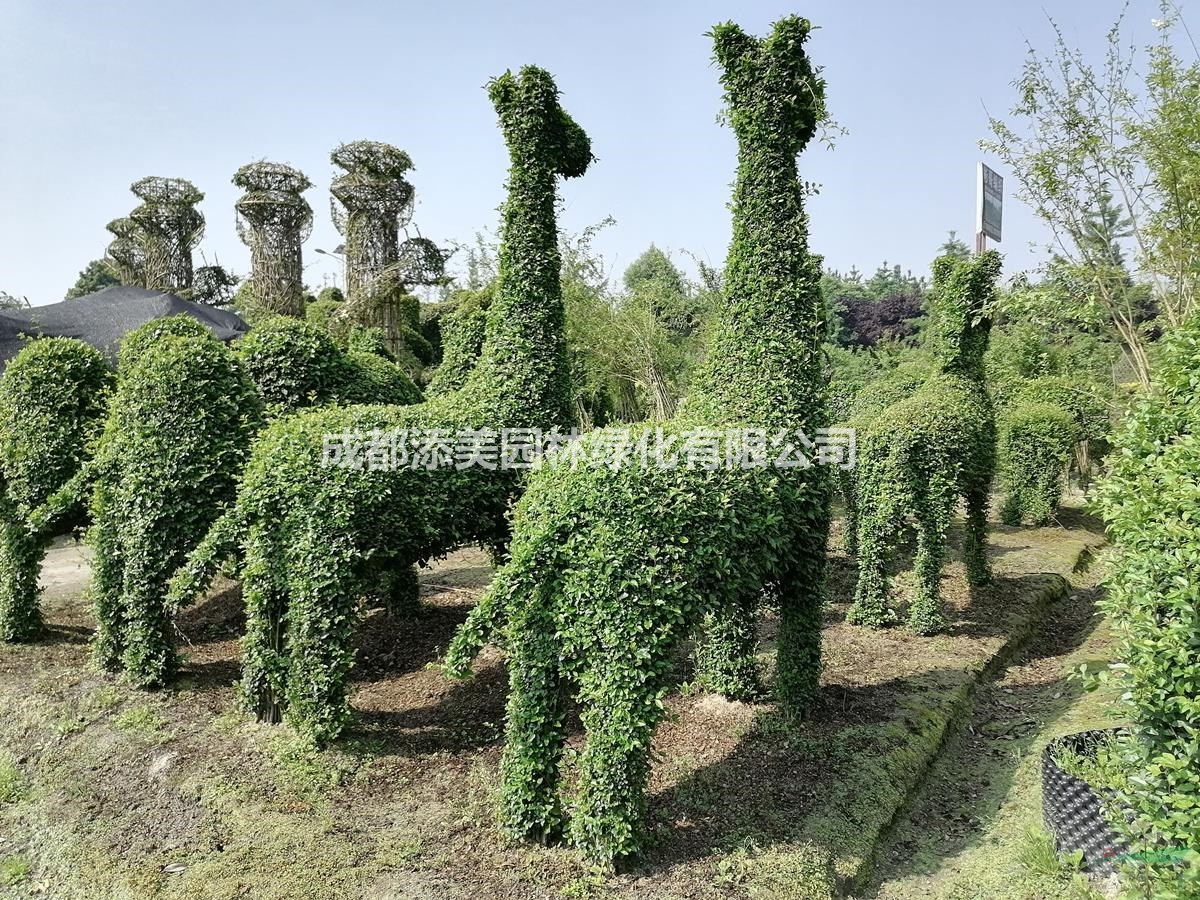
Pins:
<point x="771" y="88"/>
<point x="538" y="131"/>
<point x="961" y="303"/>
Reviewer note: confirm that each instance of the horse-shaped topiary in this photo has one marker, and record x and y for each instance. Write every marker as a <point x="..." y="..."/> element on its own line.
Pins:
<point x="614" y="565"/>
<point x="53" y="399"/>
<point x="918" y="456"/>
<point x="317" y="538"/>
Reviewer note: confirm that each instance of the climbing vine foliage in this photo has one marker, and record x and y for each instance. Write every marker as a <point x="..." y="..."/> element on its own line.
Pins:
<point x="321" y="539"/>
<point x="613" y="566"/>
<point x="52" y="402"/>
<point x="176" y="438"/>
<point x="1036" y="444"/>
<point x="918" y="456"/>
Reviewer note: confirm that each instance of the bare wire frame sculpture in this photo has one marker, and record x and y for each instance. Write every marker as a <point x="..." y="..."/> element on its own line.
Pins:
<point x="126" y="255"/>
<point x="168" y="227"/>
<point x="372" y="203"/>
<point x="274" y="220"/>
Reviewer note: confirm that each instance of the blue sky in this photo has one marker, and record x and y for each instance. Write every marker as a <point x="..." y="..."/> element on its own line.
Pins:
<point x="95" y="95"/>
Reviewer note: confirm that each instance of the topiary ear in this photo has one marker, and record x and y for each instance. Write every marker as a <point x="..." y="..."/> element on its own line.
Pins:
<point x="576" y="152"/>
<point x="502" y="91"/>
<point x="733" y="48"/>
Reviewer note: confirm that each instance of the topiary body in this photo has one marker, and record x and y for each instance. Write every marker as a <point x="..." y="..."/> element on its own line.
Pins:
<point x="178" y="430"/>
<point x="613" y="567"/>
<point x="317" y="536"/>
<point x="918" y="456"/>
<point x="1036" y="444"/>
<point x="296" y="364"/>
<point x="52" y="402"/>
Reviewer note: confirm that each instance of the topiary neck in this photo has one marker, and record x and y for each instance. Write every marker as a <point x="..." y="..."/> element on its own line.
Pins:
<point x="522" y="372"/>
<point x="764" y="363"/>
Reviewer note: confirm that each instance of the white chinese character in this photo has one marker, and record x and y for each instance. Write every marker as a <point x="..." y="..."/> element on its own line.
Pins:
<point x="477" y="448"/>
<point x="790" y="456"/>
<point x="520" y="447"/>
<point x="702" y="448"/>
<point x="435" y="449"/>
<point x="837" y="447"/>
<point x="339" y="450"/>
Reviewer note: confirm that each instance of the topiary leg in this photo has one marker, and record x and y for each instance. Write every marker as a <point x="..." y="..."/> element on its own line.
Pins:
<point x="20" y="563"/>
<point x="529" y="769"/>
<point x="322" y="619"/>
<point x="725" y="652"/>
<point x="149" y="657"/>
<point x="979" y="568"/>
<point x="925" y="615"/>
<point x="801" y="609"/>
<point x="870" y="605"/>
<point x="403" y="591"/>
<point x="107" y="580"/>
<point x="849" y="490"/>
<point x="621" y="708"/>
<point x="264" y="659"/>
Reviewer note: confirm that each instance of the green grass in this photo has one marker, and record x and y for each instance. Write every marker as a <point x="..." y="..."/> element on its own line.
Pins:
<point x="140" y="721"/>
<point x="13" y="787"/>
<point x="14" y="871"/>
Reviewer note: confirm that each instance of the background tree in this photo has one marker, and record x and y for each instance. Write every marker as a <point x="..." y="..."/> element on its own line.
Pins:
<point x="1108" y="157"/>
<point x="95" y="276"/>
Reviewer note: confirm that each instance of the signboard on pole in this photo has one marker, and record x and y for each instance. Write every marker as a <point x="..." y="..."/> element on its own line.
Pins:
<point x="989" y="203"/>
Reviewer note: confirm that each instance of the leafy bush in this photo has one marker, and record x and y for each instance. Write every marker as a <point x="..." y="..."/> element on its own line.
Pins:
<point x="52" y="401"/>
<point x="322" y="314"/>
<point x="612" y="567"/>
<point x="462" y="333"/>
<point x="294" y="364"/>
<point x="177" y="434"/>
<point x="1151" y="503"/>
<point x="1036" y="443"/>
<point x="317" y="537"/>
<point x="916" y="457"/>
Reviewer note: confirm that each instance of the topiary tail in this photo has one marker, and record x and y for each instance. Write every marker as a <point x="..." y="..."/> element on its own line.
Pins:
<point x="482" y="627"/>
<point x="220" y="544"/>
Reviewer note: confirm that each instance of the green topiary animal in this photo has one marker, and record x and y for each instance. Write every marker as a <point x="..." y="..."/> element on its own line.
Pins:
<point x="888" y="390"/>
<point x="52" y="401"/>
<point x="613" y="566"/>
<point x="917" y="457"/>
<point x="318" y="537"/>
<point x="178" y="430"/>
<point x="1036" y="444"/>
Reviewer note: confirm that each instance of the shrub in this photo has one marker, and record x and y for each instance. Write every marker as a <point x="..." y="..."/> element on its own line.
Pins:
<point x="462" y="333"/>
<point x="177" y="434"/>
<point x="52" y="401"/>
<point x="1036" y="443"/>
<point x="136" y="342"/>
<point x="612" y="567"/>
<point x="294" y="364"/>
<point x="916" y="457"/>
<point x="1150" y="501"/>
<point x="322" y="313"/>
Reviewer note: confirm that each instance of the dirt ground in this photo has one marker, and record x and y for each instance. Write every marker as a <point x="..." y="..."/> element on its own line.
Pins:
<point x="125" y="794"/>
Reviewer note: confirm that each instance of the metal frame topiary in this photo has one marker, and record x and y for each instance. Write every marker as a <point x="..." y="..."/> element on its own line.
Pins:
<point x="612" y="567"/>
<point x="274" y="220"/>
<point x="168" y="228"/>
